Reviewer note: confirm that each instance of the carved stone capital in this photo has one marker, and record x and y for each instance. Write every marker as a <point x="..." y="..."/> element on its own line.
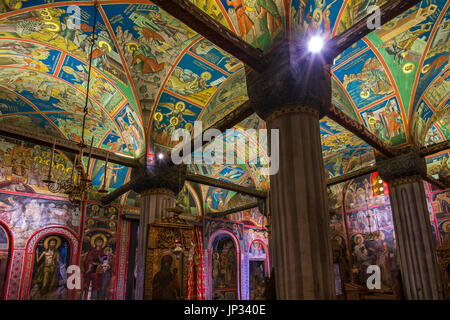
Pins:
<point x="154" y="191"/>
<point x="159" y="179"/>
<point x="404" y="168"/>
<point x="291" y="80"/>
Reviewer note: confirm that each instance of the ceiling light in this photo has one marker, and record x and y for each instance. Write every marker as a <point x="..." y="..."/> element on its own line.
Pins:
<point x="315" y="44"/>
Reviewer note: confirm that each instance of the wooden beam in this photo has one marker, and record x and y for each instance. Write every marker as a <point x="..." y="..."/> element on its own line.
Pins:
<point x="389" y="11"/>
<point x="359" y="130"/>
<point x="225" y="185"/>
<point x="62" y="144"/>
<point x="110" y="197"/>
<point x="227" y="122"/>
<point x="438" y="183"/>
<point x="351" y="175"/>
<point x="435" y="148"/>
<point x="214" y="31"/>
<point x="251" y="205"/>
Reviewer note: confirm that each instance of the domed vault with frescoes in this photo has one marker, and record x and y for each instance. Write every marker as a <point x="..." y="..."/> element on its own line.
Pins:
<point x="116" y="79"/>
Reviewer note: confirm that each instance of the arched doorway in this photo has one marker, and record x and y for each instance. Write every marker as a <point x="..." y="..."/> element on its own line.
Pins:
<point x="224" y="268"/>
<point x="5" y="249"/>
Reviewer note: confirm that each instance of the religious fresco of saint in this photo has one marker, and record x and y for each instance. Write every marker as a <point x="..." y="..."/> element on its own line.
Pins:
<point x="98" y="263"/>
<point x="257" y="276"/>
<point x="343" y="151"/>
<point x="403" y="43"/>
<point x="224" y="267"/>
<point x="215" y="199"/>
<point x="188" y="200"/>
<point x="227" y="98"/>
<point x="195" y="80"/>
<point x="444" y="230"/>
<point x="26" y="203"/>
<point x="251" y="217"/>
<point x="26" y="214"/>
<point x="170" y="114"/>
<point x="116" y="176"/>
<point x="211" y="225"/>
<point x="49" y="56"/>
<point x="259" y="22"/>
<point x="150" y="41"/>
<point x="438" y="166"/>
<point x="385" y="121"/>
<point x="166" y="282"/>
<point x="98" y="257"/>
<point x="365" y="79"/>
<point x="441" y="204"/>
<point x="51" y="260"/>
<point x="23" y="167"/>
<point x="371" y="232"/>
<point x="257" y="251"/>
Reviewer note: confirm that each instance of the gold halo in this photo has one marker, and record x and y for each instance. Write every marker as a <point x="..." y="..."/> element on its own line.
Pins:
<point x="101" y="44"/>
<point x="372" y="120"/>
<point x="180" y="106"/>
<point x="44" y="12"/>
<point x="445" y="225"/>
<point x="55" y="27"/>
<point x="58" y="241"/>
<point x="426" y="68"/>
<point x="39" y="55"/>
<point x="98" y="235"/>
<point x="390" y="25"/>
<point x="130" y="45"/>
<point x="358" y="235"/>
<point x="188" y="126"/>
<point x="174" y="121"/>
<point x="408" y="68"/>
<point x="158" y="116"/>
<point x="206" y="76"/>
<point x="68" y="70"/>
<point x="317" y="14"/>
<point x="338" y="239"/>
<point x="365" y="94"/>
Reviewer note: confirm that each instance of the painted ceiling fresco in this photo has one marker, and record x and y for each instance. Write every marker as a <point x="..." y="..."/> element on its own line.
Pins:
<point x="396" y="78"/>
<point x="262" y="23"/>
<point x="343" y="152"/>
<point x="151" y="74"/>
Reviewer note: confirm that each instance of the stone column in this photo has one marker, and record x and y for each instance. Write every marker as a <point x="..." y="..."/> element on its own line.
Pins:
<point x="154" y="203"/>
<point x="291" y="96"/>
<point x="415" y="244"/>
<point x="157" y="186"/>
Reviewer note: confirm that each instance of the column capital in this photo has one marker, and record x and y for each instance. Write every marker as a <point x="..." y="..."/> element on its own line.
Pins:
<point x="163" y="178"/>
<point x="405" y="168"/>
<point x="160" y="191"/>
<point x="293" y="79"/>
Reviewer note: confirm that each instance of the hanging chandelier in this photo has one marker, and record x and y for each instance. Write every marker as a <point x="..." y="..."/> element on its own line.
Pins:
<point x="372" y="234"/>
<point x="77" y="186"/>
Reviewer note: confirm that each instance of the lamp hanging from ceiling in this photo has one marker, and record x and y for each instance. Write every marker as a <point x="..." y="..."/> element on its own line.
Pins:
<point x="79" y="183"/>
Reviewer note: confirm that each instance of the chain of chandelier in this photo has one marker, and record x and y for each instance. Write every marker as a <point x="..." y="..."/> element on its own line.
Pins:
<point x="79" y="184"/>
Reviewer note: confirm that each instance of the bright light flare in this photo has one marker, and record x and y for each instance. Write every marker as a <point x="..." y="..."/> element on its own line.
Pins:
<point x="315" y="44"/>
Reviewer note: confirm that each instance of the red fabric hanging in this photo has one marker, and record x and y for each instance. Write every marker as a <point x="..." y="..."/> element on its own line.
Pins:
<point x="196" y="276"/>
